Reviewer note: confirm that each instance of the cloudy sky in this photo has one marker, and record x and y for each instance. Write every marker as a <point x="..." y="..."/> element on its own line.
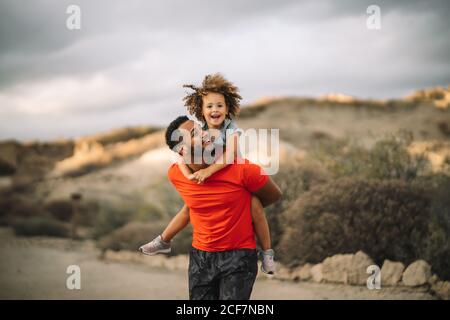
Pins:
<point x="128" y="62"/>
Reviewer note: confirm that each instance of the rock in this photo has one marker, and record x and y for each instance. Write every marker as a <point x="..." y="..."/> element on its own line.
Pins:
<point x="391" y="273"/>
<point x="316" y="273"/>
<point x="358" y="269"/>
<point x="282" y="273"/>
<point x="295" y="274"/>
<point x="337" y="268"/>
<point x="347" y="268"/>
<point x="442" y="289"/>
<point x="433" y="279"/>
<point x="417" y="273"/>
<point x="5" y="182"/>
<point x="304" y="272"/>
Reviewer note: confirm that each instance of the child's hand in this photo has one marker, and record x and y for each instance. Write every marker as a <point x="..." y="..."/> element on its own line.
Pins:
<point x="200" y="176"/>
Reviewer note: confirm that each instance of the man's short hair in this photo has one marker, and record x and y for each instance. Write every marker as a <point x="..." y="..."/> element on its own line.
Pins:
<point x="174" y="125"/>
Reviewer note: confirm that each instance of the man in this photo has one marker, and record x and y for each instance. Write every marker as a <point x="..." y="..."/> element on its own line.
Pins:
<point x="223" y="258"/>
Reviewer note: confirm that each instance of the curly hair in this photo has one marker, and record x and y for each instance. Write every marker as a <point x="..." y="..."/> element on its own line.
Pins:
<point x="212" y="83"/>
<point x="174" y="125"/>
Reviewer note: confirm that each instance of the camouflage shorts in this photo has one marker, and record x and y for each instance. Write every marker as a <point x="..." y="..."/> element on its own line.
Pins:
<point x="225" y="275"/>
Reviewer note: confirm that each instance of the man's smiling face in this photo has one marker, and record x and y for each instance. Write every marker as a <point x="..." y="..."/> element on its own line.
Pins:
<point x="193" y="137"/>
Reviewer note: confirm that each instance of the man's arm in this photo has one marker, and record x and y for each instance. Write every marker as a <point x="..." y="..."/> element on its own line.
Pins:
<point x="269" y="193"/>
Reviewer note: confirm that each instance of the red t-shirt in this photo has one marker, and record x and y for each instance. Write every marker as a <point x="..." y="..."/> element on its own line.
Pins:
<point x="220" y="208"/>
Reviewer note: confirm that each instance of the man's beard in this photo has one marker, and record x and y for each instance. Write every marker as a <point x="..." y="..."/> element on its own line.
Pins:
<point x="204" y="155"/>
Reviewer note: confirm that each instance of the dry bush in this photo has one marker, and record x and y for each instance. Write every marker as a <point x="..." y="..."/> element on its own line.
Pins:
<point x="168" y="202"/>
<point x="109" y="218"/>
<point x="6" y="169"/>
<point x="40" y="226"/>
<point x="182" y="242"/>
<point x="389" y="219"/>
<point x="131" y="236"/>
<point x="388" y="159"/>
<point x="321" y="135"/>
<point x="122" y="134"/>
<point x="60" y="209"/>
<point x="150" y="212"/>
<point x="294" y="178"/>
<point x="444" y="127"/>
<point x="437" y="248"/>
<point x="15" y="206"/>
<point x="29" y="218"/>
<point x="88" y="212"/>
<point x="90" y="155"/>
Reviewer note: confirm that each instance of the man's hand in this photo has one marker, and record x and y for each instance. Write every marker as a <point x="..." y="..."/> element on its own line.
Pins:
<point x="201" y="175"/>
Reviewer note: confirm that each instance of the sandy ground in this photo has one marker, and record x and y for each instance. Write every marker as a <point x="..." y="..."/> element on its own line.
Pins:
<point x="36" y="269"/>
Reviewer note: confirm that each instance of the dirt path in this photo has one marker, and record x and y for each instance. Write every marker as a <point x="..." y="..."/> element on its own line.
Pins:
<point x="31" y="269"/>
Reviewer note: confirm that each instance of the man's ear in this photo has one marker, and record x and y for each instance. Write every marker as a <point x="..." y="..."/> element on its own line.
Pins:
<point x="182" y="151"/>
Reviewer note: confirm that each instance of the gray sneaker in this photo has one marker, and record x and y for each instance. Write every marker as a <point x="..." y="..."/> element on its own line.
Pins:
<point x="155" y="246"/>
<point x="268" y="265"/>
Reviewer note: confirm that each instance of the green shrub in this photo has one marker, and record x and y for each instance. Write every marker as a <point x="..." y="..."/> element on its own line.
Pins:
<point x="388" y="159"/>
<point x="110" y="218"/>
<point x="89" y="211"/>
<point x="169" y="201"/>
<point x="182" y="242"/>
<point x="6" y="169"/>
<point x="293" y="178"/>
<point x="60" y="209"/>
<point x="40" y="226"/>
<point x="158" y="201"/>
<point x="149" y="212"/>
<point x="15" y="206"/>
<point x="437" y="248"/>
<point x="386" y="219"/>
<point x="135" y="234"/>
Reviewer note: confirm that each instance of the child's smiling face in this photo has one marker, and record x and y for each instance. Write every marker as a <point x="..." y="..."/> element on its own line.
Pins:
<point x="214" y="109"/>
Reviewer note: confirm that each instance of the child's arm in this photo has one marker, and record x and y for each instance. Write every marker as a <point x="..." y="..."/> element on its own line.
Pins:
<point x="183" y="167"/>
<point x="227" y="157"/>
<point x="178" y="223"/>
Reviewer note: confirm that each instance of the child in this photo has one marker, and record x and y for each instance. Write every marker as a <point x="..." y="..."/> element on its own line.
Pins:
<point x="215" y="103"/>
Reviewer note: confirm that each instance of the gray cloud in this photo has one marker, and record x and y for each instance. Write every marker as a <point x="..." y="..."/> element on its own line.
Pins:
<point x="129" y="60"/>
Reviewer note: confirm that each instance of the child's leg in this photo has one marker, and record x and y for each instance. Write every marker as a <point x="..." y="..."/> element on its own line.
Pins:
<point x="161" y="244"/>
<point x="260" y="224"/>
<point x="178" y="223"/>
